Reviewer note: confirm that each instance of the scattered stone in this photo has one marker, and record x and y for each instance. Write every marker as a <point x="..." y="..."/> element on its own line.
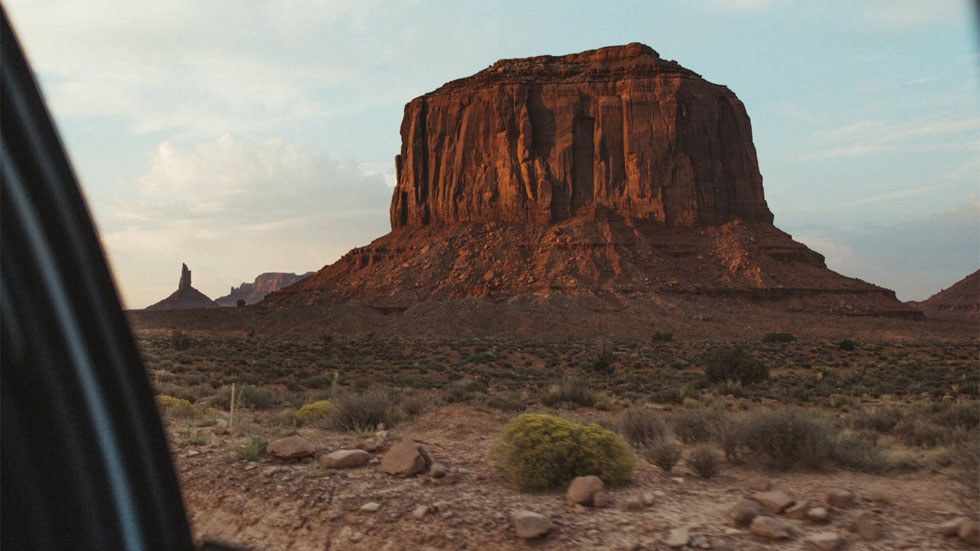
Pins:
<point x="420" y="511"/>
<point x="649" y="499"/>
<point x="404" y="459"/>
<point x="867" y="527"/>
<point x="530" y="525"/>
<point x="744" y="512"/>
<point x="345" y="459"/>
<point x="192" y="453"/>
<point x="678" y="537"/>
<point x="818" y="515"/>
<point x="700" y="542"/>
<point x="438" y="470"/>
<point x="773" y="501"/>
<point x="583" y="489"/>
<point x="633" y="503"/>
<point x="842" y="499"/>
<point x="798" y="511"/>
<point x="769" y="527"/>
<point x="370" y="444"/>
<point x="678" y="479"/>
<point x="600" y="500"/>
<point x="969" y="532"/>
<point x="951" y="528"/>
<point x="290" y="447"/>
<point x="370" y="507"/>
<point x="824" y="541"/>
<point x="760" y="484"/>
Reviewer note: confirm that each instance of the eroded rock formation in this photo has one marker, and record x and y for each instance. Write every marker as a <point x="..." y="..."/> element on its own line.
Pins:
<point x="961" y="301"/>
<point x="258" y="289"/>
<point x="185" y="296"/>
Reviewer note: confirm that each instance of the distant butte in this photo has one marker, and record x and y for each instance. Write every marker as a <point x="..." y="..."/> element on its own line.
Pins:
<point x="258" y="289"/>
<point x="961" y="301"/>
<point x="611" y="173"/>
<point x="185" y="296"/>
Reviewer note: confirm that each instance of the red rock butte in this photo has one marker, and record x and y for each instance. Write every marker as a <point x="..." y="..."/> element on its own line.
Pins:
<point x="607" y="173"/>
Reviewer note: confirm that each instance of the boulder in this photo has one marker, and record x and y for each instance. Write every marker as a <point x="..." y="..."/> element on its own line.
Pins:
<point x="969" y="532"/>
<point x="583" y="489"/>
<point x="798" y="510"/>
<point x="678" y="537"/>
<point x="372" y="444"/>
<point x="438" y="470"/>
<point x="290" y="447"/>
<point x="824" y="541"/>
<point x="404" y="458"/>
<point x="530" y="525"/>
<point x="866" y="526"/>
<point x="770" y="528"/>
<point x="744" y="512"/>
<point x="842" y="499"/>
<point x="773" y="501"/>
<point x="345" y="459"/>
<point x="950" y="528"/>
<point x="818" y="515"/>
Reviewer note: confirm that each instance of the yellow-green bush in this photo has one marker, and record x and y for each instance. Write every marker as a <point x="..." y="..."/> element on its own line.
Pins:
<point x="539" y="451"/>
<point x="316" y="410"/>
<point x="176" y="407"/>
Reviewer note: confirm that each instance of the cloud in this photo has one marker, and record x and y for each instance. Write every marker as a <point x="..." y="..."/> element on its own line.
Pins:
<point x="235" y="208"/>
<point x="905" y="14"/>
<point x="870" y="137"/>
<point x="739" y="5"/>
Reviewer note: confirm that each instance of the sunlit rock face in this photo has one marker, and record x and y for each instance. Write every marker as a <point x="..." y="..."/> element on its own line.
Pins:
<point x="544" y="139"/>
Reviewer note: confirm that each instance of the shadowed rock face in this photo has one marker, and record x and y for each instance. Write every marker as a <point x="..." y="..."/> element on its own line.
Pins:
<point x="185" y="296"/>
<point x="961" y="301"/>
<point x="547" y="138"/>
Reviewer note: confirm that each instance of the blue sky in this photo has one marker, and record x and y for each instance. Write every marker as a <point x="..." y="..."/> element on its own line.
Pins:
<point x="243" y="137"/>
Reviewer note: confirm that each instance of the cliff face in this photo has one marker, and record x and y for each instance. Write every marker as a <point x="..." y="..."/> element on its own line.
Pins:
<point x="185" y="296"/>
<point x="258" y="289"/>
<point x="961" y="301"/>
<point x="548" y="138"/>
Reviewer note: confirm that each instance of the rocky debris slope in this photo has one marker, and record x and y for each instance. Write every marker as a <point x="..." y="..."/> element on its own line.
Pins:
<point x="185" y="296"/>
<point x="611" y="172"/>
<point x="961" y="301"/>
<point x="258" y="289"/>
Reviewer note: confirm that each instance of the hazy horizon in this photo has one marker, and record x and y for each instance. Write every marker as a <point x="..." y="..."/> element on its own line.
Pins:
<point x="242" y="138"/>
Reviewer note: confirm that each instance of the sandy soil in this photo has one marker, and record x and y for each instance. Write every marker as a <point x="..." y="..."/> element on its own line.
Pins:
<point x="273" y="504"/>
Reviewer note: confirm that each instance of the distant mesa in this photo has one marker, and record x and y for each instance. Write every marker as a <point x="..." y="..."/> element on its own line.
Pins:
<point x="262" y="286"/>
<point x="607" y="173"/>
<point x="185" y="296"/>
<point x="961" y="301"/>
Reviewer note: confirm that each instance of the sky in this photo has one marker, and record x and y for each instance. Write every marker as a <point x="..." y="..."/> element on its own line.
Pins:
<point x="245" y="136"/>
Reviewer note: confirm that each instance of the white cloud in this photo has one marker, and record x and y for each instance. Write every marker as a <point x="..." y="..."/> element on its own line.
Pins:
<point x="869" y="137"/>
<point x="904" y="14"/>
<point x="232" y="209"/>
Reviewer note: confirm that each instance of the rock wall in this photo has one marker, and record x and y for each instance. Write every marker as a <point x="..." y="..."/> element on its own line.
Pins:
<point x="549" y="138"/>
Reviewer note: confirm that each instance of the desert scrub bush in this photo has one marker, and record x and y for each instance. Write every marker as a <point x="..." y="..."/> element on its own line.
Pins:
<point x="965" y="416"/>
<point x="539" y="451"/>
<point x="642" y="426"/>
<point x="879" y="419"/>
<point x="729" y="432"/>
<point x="736" y="364"/>
<point x="856" y="453"/>
<point x="664" y="454"/>
<point x="778" y="338"/>
<point x="246" y="396"/>
<point x="251" y="449"/>
<point x="703" y="461"/>
<point x="177" y="407"/>
<point x="465" y="391"/>
<point x="180" y="341"/>
<point x="846" y="345"/>
<point x="925" y="434"/>
<point x="790" y="437"/>
<point x="506" y="401"/>
<point x="602" y="363"/>
<point x="967" y="472"/>
<point x="364" y="411"/>
<point x="569" y="391"/>
<point x="694" y="425"/>
<point x="661" y="337"/>
<point x="415" y="405"/>
<point x="315" y="411"/>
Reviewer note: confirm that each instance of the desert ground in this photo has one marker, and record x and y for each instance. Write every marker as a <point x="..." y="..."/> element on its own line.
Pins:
<point x="887" y="415"/>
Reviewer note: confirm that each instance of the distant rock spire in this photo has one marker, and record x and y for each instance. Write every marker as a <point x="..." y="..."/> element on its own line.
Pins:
<point x="185" y="277"/>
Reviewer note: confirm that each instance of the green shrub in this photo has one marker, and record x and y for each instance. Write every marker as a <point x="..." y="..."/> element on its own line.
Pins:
<point x="247" y="396"/>
<point x="790" y="437"/>
<point x="664" y="454"/>
<point x="778" y="338"/>
<point x="180" y="341"/>
<point x="847" y="345"/>
<point x="570" y="390"/>
<point x="734" y="364"/>
<point x="703" y="461"/>
<point x="642" y="426"/>
<point x="662" y="337"/>
<point x="177" y="407"/>
<point x="364" y="411"/>
<point x="602" y="363"/>
<point x="539" y="451"/>
<point x="251" y="449"/>
<point x="314" y="411"/>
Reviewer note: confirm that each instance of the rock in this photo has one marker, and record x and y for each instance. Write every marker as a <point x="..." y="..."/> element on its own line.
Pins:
<point x="773" y="501"/>
<point x="345" y="459"/>
<point x="404" y="458"/>
<point x="969" y="532"/>
<point x="678" y="537"/>
<point x="420" y="512"/>
<point x="798" y="510"/>
<point x="529" y="525"/>
<point x="600" y="500"/>
<point x="438" y="470"/>
<point x="770" y="528"/>
<point x="263" y="285"/>
<point x="185" y="296"/>
<point x="867" y="527"/>
<point x="649" y="499"/>
<point x="370" y="507"/>
<point x="818" y="515"/>
<point x="950" y="528"/>
<point x="371" y="444"/>
<point x="960" y="301"/>
<point x="290" y="447"/>
<point x="824" y="541"/>
<point x="744" y="512"/>
<point x="842" y="499"/>
<point x="633" y="503"/>
<point x="760" y="484"/>
<point x="583" y="489"/>
<point x="700" y="542"/>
